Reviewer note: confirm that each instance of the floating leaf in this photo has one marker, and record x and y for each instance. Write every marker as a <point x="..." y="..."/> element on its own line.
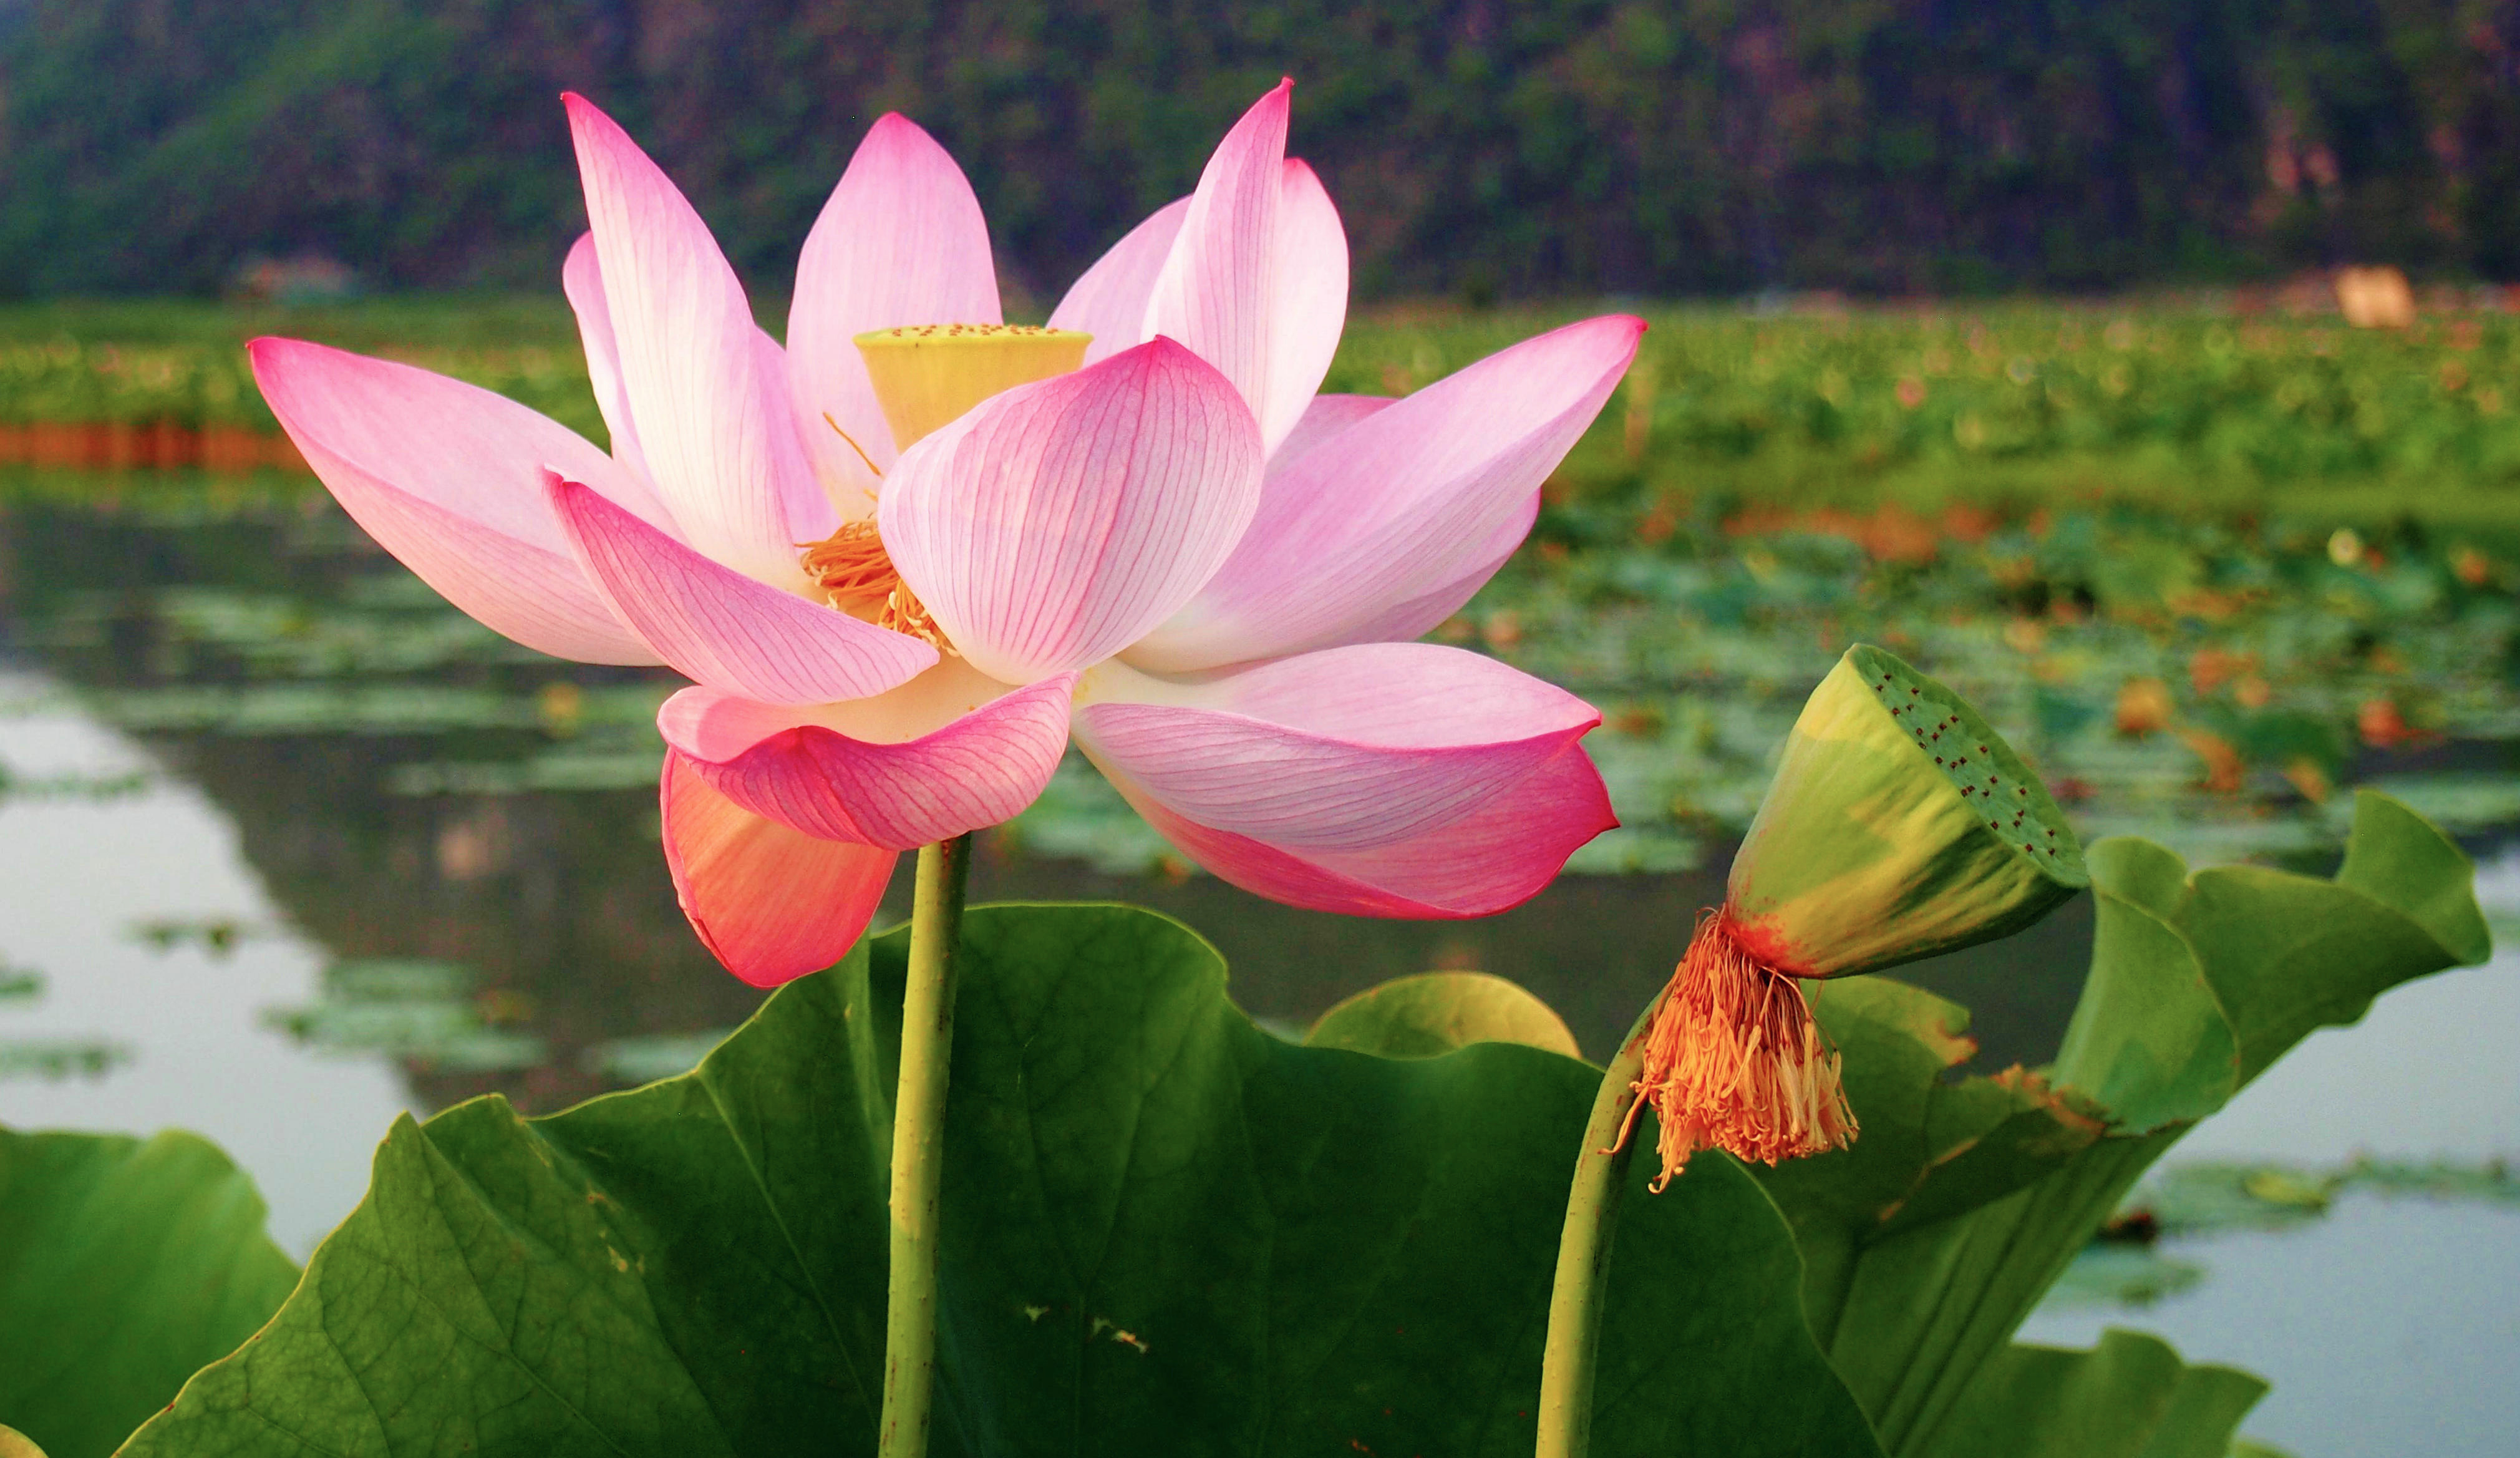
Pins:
<point x="1166" y="1231"/>
<point x="1436" y="1012"/>
<point x="124" y="1265"/>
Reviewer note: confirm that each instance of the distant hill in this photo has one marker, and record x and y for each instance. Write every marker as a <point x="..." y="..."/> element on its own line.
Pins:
<point x="1480" y="146"/>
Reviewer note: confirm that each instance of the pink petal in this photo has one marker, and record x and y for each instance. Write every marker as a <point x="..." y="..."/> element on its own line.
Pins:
<point x="1339" y="750"/>
<point x="1109" y="299"/>
<point x="1324" y="417"/>
<point x="1414" y="617"/>
<point x="713" y="416"/>
<point x="901" y="242"/>
<point x="1401" y="506"/>
<point x="721" y="627"/>
<point x="581" y="278"/>
<point x="1217" y="288"/>
<point x="951" y="753"/>
<point x="774" y="904"/>
<point x="1054" y="525"/>
<point x="447" y="477"/>
<point x="1307" y="302"/>
<point x="1494" y="858"/>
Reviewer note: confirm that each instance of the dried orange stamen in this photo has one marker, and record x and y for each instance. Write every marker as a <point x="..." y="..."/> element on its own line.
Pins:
<point x="856" y="576"/>
<point x="1734" y="1061"/>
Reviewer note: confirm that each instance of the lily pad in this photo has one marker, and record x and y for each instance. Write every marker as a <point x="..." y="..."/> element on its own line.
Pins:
<point x="1929" y="1241"/>
<point x="2128" y="1397"/>
<point x="124" y="1265"/>
<point x="1436" y="1012"/>
<point x="1166" y="1231"/>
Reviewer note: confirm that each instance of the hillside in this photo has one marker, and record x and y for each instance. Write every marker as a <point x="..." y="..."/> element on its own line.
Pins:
<point x="1478" y="147"/>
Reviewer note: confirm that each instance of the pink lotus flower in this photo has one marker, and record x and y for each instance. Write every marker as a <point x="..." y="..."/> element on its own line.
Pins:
<point x="1179" y="552"/>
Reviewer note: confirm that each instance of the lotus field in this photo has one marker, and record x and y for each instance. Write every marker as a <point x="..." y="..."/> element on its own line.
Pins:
<point x="2144" y="671"/>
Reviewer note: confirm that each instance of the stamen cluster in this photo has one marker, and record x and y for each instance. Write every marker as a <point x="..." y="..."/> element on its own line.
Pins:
<point x="1734" y="1061"/>
<point x="856" y="575"/>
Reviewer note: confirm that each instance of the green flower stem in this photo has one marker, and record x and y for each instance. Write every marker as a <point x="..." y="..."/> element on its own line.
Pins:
<point x="1567" y="1364"/>
<point x="918" y="1147"/>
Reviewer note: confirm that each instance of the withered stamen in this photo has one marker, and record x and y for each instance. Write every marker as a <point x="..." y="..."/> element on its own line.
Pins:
<point x="1734" y="1061"/>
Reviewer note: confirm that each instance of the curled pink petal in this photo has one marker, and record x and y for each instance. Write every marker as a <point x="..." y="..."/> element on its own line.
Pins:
<point x="448" y="477"/>
<point x="1053" y="525"/>
<point x="771" y="903"/>
<point x="1109" y="301"/>
<point x="723" y="628"/>
<point x="1400" y="505"/>
<point x="713" y="416"/>
<point x="901" y="242"/>
<point x="1217" y="287"/>
<point x="1307" y="302"/>
<point x="1493" y="859"/>
<point x="951" y="753"/>
<point x="1339" y="750"/>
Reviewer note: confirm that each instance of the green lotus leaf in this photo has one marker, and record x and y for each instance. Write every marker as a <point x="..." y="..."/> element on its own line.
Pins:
<point x="1899" y="825"/>
<point x="2128" y="1397"/>
<point x="125" y="1264"/>
<point x="1166" y="1232"/>
<point x="1929" y="1241"/>
<point x="1434" y="1013"/>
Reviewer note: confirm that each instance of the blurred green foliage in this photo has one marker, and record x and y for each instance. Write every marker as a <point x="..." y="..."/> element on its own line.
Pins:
<point x="1478" y="147"/>
<point x="2174" y="401"/>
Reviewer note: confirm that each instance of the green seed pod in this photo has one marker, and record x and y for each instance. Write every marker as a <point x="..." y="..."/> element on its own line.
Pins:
<point x="1899" y="825"/>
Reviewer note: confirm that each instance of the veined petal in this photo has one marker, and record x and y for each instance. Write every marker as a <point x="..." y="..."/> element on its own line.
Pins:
<point x="712" y="420"/>
<point x="951" y="751"/>
<point x="1307" y="300"/>
<point x="771" y="902"/>
<point x="1492" y="859"/>
<point x="1053" y="525"/>
<point x="1109" y="299"/>
<point x="1324" y="417"/>
<point x="1401" y="504"/>
<point x="901" y="241"/>
<point x="448" y="477"/>
<point x="1339" y="750"/>
<point x="581" y="278"/>
<point x="1415" y="617"/>
<point x="1217" y="287"/>
<point x="721" y="627"/>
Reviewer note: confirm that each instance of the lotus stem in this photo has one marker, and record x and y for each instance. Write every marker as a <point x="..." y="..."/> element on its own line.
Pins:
<point x="1566" y="1365"/>
<point x="919" y="1148"/>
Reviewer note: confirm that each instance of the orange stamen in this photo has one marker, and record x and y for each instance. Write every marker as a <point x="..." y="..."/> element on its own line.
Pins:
<point x="1734" y="1061"/>
<point x="856" y="575"/>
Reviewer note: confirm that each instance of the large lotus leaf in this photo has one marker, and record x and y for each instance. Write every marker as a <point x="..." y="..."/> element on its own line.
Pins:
<point x="1436" y="1012"/>
<point x="1166" y="1231"/>
<point x="2128" y="1397"/>
<point x="1929" y="1240"/>
<point x="125" y="1265"/>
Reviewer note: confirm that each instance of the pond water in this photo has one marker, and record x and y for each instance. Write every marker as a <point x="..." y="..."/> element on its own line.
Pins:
<point x="289" y="847"/>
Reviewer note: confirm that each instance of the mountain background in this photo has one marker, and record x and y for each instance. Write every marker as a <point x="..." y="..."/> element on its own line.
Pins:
<point x="1477" y="147"/>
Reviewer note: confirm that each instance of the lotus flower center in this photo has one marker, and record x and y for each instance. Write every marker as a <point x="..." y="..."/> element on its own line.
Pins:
<point x="856" y="575"/>
<point x="925" y="376"/>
